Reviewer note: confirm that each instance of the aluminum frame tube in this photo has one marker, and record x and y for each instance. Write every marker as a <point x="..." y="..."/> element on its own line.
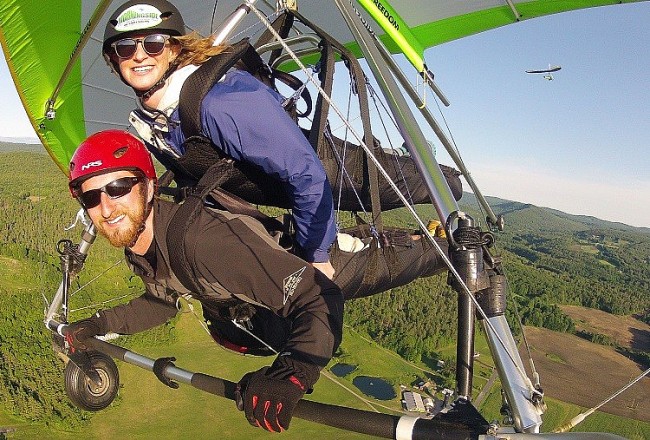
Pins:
<point x="232" y="21"/>
<point x="526" y="415"/>
<point x="465" y="346"/>
<point x="87" y="239"/>
<point x="433" y="123"/>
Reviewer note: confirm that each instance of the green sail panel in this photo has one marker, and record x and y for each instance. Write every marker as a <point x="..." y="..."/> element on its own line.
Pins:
<point x="37" y="38"/>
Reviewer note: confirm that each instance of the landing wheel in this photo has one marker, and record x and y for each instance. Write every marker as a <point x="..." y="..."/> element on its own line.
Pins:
<point x="87" y="394"/>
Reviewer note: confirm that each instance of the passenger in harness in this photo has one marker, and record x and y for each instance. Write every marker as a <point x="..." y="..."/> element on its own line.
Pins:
<point x="146" y="45"/>
<point x="233" y="262"/>
<point x="203" y="107"/>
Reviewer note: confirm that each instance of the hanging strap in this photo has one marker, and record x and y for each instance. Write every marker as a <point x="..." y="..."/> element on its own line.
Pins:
<point x="326" y="78"/>
<point x="201" y="81"/>
<point x="206" y="192"/>
<point x="328" y="43"/>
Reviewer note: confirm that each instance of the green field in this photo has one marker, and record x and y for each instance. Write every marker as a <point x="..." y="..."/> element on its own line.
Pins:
<point x="417" y="321"/>
<point x="146" y="409"/>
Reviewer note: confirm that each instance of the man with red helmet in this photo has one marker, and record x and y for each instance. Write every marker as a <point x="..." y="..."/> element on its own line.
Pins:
<point x="233" y="259"/>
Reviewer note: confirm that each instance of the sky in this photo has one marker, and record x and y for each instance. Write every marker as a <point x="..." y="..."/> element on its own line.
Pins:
<point x="578" y="143"/>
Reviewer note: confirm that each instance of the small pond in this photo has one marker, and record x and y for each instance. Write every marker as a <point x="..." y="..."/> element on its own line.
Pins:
<point x="375" y="387"/>
<point x="342" y="370"/>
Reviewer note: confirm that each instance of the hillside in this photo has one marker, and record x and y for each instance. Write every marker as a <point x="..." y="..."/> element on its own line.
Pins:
<point x="551" y="259"/>
<point x="528" y="216"/>
<point x="624" y="331"/>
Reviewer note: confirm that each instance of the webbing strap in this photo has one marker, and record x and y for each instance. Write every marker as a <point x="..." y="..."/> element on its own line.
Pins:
<point x="201" y="81"/>
<point x="326" y="77"/>
<point x="320" y="116"/>
<point x="176" y="242"/>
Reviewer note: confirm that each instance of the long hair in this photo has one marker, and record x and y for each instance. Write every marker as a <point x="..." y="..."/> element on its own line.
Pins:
<point x="196" y="49"/>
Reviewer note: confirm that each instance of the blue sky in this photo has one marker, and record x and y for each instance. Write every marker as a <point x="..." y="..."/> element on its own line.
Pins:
<point x="578" y="143"/>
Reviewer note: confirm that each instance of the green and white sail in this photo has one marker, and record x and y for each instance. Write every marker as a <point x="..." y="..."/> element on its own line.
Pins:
<point x="39" y="38"/>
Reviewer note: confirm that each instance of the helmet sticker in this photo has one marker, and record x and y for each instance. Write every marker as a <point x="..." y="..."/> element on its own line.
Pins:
<point x="107" y="151"/>
<point x="96" y="163"/>
<point x="138" y="17"/>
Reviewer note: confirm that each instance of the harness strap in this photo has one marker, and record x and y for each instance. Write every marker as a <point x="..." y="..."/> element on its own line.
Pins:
<point x="326" y="77"/>
<point x="205" y="193"/>
<point x="200" y="152"/>
<point x="201" y="81"/>
<point x="328" y="43"/>
<point x="178" y="227"/>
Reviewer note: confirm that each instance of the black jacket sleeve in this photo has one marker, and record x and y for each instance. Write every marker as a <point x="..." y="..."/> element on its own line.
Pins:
<point x="139" y="314"/>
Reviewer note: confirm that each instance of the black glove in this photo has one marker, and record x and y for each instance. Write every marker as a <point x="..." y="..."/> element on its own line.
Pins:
<point x="268" y="402"/>
<point x="77" y="333"/>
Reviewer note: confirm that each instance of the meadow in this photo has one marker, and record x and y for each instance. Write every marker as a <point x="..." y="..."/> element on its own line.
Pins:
<point x="398" y="336"/>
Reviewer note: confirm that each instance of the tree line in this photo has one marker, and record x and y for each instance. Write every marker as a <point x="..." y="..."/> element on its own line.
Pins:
<point x="606" y="269"/>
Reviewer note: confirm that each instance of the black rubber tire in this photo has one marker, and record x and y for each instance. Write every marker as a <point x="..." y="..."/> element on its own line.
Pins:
<point x="83" y="392"/>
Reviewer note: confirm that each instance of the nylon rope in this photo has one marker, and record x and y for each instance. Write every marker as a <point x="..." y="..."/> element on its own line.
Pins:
<point x="92" y="280"/>
<point x="374" y="97"/>
<point x="412" y="211"/>
<point x="580" y="417"/>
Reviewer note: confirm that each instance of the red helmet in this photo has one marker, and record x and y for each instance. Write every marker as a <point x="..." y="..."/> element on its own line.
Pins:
<point x="106" y="151"/>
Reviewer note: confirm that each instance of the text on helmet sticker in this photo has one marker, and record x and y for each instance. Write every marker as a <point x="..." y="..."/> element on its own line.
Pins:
<point x="96" y="163"/>
<point x="138" y="17"/>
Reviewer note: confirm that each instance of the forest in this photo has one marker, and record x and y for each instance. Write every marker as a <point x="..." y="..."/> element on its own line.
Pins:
<point x="551" y="258"/>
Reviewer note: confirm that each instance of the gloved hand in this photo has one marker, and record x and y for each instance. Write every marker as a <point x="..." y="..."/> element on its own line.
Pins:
<point x="268" y="402"/>
<point x="78" y="332"/>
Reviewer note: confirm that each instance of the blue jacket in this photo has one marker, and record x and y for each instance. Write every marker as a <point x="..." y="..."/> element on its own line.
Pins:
<point x="246" y="119"/>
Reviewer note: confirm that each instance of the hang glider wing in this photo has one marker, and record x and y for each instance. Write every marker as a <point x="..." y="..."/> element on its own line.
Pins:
<point x="39" y="39"/>
<point x="549" y="70"/>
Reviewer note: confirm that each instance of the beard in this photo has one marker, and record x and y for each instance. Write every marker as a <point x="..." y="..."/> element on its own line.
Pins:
<point x="132" y="224"/>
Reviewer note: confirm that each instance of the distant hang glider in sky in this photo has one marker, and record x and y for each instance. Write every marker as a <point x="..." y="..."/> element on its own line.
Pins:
<point x="546" y="72"/>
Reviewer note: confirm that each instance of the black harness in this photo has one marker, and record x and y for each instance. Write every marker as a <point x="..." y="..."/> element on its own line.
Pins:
<point x="204" y="174"/>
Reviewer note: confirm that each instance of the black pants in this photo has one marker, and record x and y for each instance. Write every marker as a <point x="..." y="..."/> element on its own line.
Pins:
<point x="389" y="261"/>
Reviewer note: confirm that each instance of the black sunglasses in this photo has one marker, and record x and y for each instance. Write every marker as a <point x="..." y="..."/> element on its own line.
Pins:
<point x="153" y="44"/>
<point x="115" y="189"/>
